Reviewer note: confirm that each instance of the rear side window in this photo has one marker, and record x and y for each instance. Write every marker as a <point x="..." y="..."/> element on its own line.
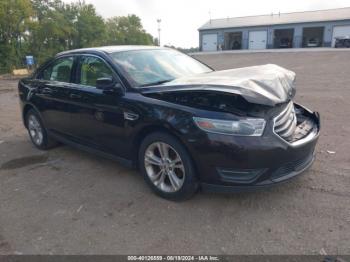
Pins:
<point x="93" y="68"/>
<point x="59" y="71"/>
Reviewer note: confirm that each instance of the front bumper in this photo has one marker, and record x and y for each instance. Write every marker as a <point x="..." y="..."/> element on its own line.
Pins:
<point x="253" y="187"/>
<point x="230" y="163"/>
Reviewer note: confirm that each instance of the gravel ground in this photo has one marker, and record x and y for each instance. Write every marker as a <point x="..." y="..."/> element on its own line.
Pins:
<point x="65" y="201"/>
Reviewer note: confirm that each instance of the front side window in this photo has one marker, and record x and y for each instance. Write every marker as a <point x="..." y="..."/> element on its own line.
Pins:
<point x="93" y="68"/>
<point x="148" y="67"/>
<point x="59" y="71"/>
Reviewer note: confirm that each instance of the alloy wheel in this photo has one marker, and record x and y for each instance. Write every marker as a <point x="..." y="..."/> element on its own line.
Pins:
<point x="164" y="167"/>
<point x="35" y="130"/>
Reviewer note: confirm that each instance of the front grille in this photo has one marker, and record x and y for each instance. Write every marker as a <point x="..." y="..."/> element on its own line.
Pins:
<point x="285" y="122"/>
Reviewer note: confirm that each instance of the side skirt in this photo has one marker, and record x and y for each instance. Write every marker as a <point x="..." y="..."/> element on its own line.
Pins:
<point x="123" y="161"/>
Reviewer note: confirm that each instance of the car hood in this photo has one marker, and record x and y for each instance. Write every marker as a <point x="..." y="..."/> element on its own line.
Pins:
<point x="266" y="84"/>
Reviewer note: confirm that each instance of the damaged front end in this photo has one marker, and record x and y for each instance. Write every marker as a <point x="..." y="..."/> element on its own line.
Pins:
<point x="296" y="124"/>
<point x="251" y="92"/>
<point x="247" y="132"/>
<point x="268" y="85"/>
<point x="211" y="101"/>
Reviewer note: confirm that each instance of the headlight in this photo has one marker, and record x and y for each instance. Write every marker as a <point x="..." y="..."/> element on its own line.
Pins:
<point x="245" y="127"/>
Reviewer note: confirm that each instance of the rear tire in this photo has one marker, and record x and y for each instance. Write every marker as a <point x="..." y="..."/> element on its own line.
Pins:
<point x="167" y="167"/>
<point x="37" y="131"/>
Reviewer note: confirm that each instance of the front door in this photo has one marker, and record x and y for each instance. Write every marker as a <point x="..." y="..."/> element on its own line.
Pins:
<point x="97" y="117"/>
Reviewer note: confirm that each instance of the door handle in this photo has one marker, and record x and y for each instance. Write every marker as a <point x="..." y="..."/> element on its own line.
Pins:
<point x="75" y="96"/>
<point x="47" y="91"/>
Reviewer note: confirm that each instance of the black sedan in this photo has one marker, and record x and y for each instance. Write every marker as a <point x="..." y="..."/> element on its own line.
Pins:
<point x="184" y="125"/>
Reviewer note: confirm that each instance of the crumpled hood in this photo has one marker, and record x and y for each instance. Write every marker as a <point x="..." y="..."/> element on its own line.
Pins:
<point x="267" y="84"/>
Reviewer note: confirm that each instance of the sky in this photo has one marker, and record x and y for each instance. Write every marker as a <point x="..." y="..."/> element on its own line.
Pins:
<point x="180" y="19"/>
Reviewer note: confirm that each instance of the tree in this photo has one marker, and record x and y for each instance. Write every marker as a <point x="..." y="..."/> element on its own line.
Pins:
<point x="59" y="26"/>
<point x="51" y="29"/>
<point x="45" y="27"/>
<point x="156" y="41"/>
<point x="14" y="20"/>
<point x="89" y="27"/>
<point x="127" y="30"/>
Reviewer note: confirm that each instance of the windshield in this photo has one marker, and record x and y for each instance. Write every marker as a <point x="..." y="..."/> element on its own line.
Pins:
<point x="156" y="66"/>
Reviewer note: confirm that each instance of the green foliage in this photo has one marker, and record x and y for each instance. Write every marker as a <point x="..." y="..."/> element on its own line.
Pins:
<point x="14" y="20"/>
<point x="44" y="28"/>
<point x="89" y="27"/>
<point x="127" y="30"/>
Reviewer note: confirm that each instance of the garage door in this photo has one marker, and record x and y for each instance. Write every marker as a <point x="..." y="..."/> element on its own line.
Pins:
<point x="257" y="39"/>
<point x="340" y="31"/>
<point x="209" y="42"/>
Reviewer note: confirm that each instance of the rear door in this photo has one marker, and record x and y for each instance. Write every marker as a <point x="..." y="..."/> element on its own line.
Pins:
<point x="97" y="117"/>
<point x="52" y="94"/>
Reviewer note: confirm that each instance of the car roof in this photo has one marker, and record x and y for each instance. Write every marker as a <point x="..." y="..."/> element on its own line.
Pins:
<point x="111" y="49"/>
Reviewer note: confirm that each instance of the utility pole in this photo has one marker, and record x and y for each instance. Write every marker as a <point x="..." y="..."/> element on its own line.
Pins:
<point x="159" y="21"/>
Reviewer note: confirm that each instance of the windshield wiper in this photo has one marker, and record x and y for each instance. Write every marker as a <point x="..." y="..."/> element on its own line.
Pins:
<point x="157" y="83"/>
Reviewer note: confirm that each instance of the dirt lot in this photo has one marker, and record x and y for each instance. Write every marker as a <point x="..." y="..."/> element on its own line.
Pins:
<point x="69" y="202"/>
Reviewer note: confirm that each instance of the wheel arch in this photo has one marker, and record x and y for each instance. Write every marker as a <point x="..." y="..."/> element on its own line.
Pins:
<point x="26" y="109"/>
<point x="144" y="132"/>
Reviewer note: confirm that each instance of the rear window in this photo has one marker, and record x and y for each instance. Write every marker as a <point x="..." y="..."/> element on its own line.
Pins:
<point x="60" y="70"/>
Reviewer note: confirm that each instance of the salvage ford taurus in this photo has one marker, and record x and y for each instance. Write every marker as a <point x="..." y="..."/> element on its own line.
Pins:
<point x="183" y="124"/>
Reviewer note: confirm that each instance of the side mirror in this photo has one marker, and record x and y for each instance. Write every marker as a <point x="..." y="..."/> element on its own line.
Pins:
<point x="109" y="86"/>
<point x="104" y="83"/>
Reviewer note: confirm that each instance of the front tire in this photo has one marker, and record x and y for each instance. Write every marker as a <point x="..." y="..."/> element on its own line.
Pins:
<point x="167" y="167"/>
<point x="37" y="131"/>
